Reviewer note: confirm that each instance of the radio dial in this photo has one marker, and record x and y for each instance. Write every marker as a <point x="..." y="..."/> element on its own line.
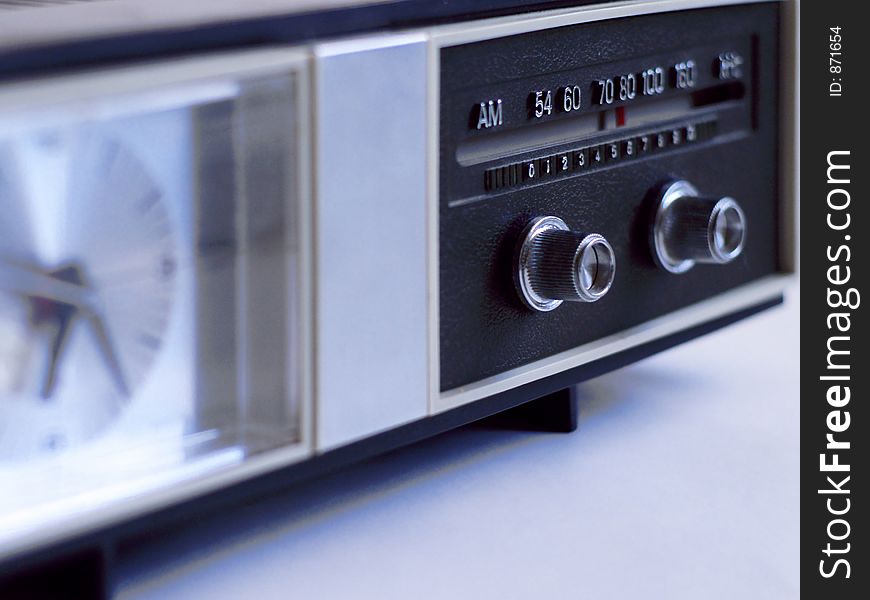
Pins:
<point x="689" y="228"/>
<point x="555" y="264"/>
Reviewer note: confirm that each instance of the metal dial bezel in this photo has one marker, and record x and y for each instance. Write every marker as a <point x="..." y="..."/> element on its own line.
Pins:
<point x="726" y="203"/>
<point x="523" y="268"/>
<point x="589" y="242"/>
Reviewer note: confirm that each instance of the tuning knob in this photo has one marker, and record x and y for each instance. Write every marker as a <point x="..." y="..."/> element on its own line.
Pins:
<point x="689" y="228"/>
<point x="555" y="264"/>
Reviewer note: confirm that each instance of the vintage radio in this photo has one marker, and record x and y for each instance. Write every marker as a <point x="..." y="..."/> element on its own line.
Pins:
<point x="246" y="243"/>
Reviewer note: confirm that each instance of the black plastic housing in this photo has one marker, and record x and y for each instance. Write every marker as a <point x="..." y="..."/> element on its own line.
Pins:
<point x="485" y="328"/>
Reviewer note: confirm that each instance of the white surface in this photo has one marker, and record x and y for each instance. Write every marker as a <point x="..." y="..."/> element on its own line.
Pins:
<point x="682" y="482"/>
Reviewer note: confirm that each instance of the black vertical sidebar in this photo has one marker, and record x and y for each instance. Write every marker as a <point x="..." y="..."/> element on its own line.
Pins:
<point x="834" y="261"/>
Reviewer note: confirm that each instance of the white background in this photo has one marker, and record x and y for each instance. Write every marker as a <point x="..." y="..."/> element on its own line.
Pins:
<point x="681" y="482"/>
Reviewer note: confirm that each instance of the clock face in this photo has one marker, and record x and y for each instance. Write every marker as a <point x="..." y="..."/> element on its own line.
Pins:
<point x="154" y="287"/>
<point x="88" y="265"/>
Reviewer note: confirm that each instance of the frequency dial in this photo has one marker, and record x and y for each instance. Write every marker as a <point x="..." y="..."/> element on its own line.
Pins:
<point x="689" y="228"/>
<point x="555" y="264"/>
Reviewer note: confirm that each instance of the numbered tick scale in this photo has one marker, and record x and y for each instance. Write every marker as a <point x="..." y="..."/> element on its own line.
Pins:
<point x="226" y="267"/>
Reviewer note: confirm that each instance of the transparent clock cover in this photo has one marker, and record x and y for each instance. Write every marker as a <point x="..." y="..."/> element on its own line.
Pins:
<point x="150" y="295"/>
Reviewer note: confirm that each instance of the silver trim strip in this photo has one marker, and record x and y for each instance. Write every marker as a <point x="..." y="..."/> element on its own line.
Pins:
<point x="43" y="24"/>
<point x="789" y="143"/>
<point x="433" y="112"/>
<point x="702" y="312"/>
<point x="63" y="90"/>
<point x="370" y="228"/>
<point x="487" y="29"/>
<point x="743" y="297"/>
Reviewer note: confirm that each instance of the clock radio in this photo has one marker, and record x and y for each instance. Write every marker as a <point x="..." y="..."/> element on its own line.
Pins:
<point x="243" y="244"/>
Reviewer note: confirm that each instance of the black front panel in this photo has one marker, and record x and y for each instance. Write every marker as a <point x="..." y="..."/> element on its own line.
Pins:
<point x="583" y="123"/>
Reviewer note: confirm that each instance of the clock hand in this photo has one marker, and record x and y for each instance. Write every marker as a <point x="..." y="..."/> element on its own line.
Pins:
<point x="104" y="343"/>
<point x="107" y="349"/>
<point x="58" y="344"/>
<point x="71" y="298"/>
<point x="34" y="284"/>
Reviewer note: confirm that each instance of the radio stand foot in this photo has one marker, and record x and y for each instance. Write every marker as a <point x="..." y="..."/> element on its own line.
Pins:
<point x="556" y="412"/>
<point x="81" y="574"/>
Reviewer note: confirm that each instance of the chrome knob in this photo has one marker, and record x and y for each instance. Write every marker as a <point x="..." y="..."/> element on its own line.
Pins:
<point x="689" y="228"/>
<point x="555" y="264"/>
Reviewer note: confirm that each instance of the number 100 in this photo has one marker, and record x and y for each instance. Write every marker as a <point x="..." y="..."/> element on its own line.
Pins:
<point x="653" y="81"/>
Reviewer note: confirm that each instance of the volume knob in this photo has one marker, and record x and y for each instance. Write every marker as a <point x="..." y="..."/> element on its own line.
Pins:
<point x="689" y="228"/>
<point x="555" y="264"/>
